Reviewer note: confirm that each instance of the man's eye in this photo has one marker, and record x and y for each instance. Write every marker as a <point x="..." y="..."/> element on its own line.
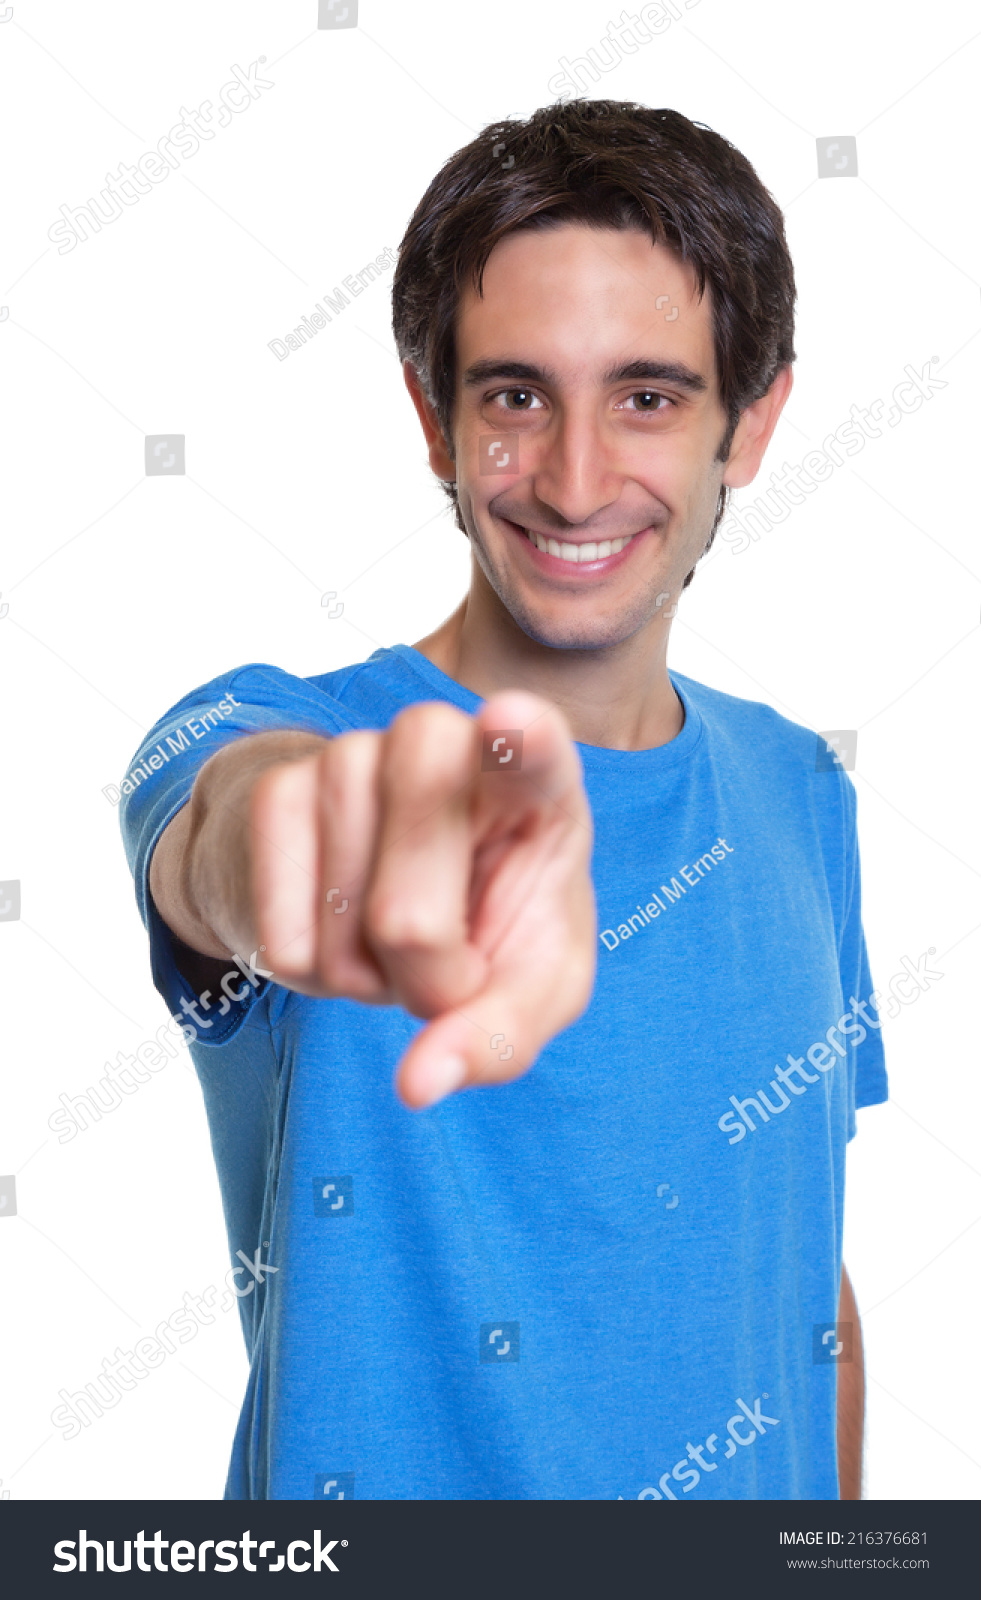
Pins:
<point x="649" y="399"/>
<point x="523" y="398"/>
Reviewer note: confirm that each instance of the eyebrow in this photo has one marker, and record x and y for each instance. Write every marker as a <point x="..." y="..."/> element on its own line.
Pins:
<point x="644" y="370"/>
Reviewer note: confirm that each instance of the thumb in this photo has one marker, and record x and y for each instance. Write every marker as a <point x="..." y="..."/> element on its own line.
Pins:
<point x="488" y="1042"/>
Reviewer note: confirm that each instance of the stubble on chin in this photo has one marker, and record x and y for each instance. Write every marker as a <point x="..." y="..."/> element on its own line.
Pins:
<point x="566" y="632"/>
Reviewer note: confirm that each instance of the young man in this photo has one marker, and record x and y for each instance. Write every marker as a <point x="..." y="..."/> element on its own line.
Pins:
<point x="591" y="1248"/>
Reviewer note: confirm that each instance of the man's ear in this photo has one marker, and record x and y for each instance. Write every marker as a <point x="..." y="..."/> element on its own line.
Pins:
<point x="439" y="457"/>
<point x="755" y="427"/>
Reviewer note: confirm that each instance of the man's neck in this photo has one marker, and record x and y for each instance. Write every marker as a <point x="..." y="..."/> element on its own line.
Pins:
<point x="620" y="697"/>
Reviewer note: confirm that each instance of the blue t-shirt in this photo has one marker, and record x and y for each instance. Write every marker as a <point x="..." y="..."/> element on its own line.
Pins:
<point x="616" y="1276"/>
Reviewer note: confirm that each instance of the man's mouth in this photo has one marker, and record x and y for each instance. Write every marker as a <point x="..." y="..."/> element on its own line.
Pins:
<point x="580" y="554"/>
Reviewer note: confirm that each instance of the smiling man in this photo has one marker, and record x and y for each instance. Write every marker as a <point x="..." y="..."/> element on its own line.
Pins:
<point x="579" y="1253"/>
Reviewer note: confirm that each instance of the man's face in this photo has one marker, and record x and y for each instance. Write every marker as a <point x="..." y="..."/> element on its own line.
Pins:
<point x="589" y="348"/>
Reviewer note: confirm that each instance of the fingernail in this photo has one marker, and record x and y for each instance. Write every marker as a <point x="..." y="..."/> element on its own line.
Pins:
<point x="443" y="1076"/>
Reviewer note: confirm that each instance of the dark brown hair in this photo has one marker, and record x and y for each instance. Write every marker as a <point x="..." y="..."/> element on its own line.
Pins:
<point x="604" y="163"/>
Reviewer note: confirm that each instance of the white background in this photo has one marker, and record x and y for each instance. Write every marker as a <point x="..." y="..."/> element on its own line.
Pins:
<point x="860" y="611"/>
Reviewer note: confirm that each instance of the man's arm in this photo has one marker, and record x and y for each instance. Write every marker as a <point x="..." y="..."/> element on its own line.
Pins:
<point x="393" y="867"/>
<point x="198" y="871"/>
<point x="851" y="1400"/>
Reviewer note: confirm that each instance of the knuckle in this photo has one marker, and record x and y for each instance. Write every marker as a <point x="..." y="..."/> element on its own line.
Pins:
<point x="400" y="924"/>
<point x="354" y="748"/>
<point x="345" y="979"/>
<point x="428" y="718"/>
<point x="424" y="750"/>
<point x="284" y="786"/>
<point x="345" y="762"/>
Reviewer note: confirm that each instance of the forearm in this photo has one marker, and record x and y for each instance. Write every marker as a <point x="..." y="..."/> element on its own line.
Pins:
<point x="851" y="1400"/>
<point x="199" y="871"/>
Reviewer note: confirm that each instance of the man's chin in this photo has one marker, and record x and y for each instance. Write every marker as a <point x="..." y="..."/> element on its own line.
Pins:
<point x="579" y="623"/>
<point x="572" y="632"/>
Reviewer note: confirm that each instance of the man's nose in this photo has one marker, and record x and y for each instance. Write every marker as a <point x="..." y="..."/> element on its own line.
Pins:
<point x="576" y="471"/>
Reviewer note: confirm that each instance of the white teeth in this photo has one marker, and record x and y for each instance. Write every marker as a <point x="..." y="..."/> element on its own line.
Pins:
<point x="577" y="552"/>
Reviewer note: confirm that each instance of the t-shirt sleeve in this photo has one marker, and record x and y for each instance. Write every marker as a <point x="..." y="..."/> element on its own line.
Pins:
<point x="250" y="699"/>
<point x="867" y="1080"/>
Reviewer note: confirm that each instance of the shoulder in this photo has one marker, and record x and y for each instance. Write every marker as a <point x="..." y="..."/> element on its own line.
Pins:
<point x="775" y="749"/>
<point x="392" y="678"/>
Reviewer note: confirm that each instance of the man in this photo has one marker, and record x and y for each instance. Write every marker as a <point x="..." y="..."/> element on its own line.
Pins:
<point x="581" y="1253"/>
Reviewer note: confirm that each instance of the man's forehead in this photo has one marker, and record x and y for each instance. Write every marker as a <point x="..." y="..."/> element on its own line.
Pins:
<point x="568" y="291"/>
<point x="623" y="258"/>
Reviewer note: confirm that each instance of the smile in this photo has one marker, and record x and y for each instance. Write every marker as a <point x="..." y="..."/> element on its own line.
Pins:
<point x="575" y="554"/>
